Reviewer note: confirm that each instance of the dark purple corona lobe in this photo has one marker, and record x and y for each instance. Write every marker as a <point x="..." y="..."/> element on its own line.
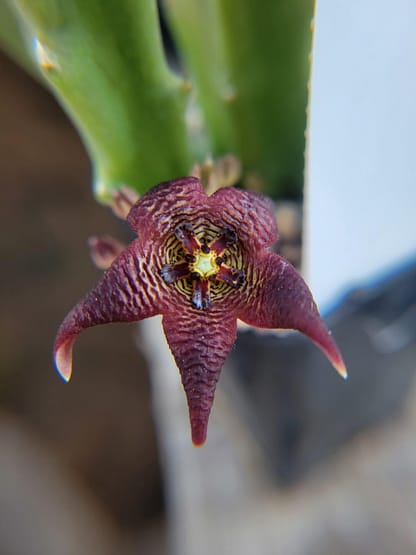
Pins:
<point x="202" y="262"/>
<point x="173" y="272"/>
<point x="186" y="236"/>
<point x="226" y="238"/>
<point x="201" y="297"/>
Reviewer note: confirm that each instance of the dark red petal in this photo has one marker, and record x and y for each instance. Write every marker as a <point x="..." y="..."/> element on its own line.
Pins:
<point x="200" y="345"/>
<point x="104" y="250"/>
<point x="279" y="298"/>
<point x="161" y="206"/>
<point x="126" y="293"/>
<point x="250" y="214"/>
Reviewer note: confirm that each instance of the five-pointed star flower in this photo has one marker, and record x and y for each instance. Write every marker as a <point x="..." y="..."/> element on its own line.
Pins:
<point x="202" y="262"/>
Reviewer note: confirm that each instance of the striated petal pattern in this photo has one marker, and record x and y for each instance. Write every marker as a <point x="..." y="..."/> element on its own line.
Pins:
<point x="280" y="298"/>
<point x="251" y="213"/>
<point x="201" y="262"/>
<point x="200" y="345"/>
<point x="124" y="294"/>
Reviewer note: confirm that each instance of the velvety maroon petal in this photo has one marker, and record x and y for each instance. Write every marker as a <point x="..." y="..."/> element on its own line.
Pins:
<point x="250" y="214"/>
<point x="200" y="345"/>
<point x="163" y="205"/>
<point x="155" y="275"/>
<point x="279" y="298"/>
<point x="127" y="292"/>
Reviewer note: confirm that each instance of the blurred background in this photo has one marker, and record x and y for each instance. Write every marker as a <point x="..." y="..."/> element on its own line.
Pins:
<point x="92" y="441"/>
<point x="80" y="468"/>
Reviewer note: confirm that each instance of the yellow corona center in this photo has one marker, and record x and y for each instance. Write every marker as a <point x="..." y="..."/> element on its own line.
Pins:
<point x="205" y="264"/>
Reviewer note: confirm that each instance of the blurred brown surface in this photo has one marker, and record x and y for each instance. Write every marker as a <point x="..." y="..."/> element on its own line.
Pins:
<point x="100" y="425"/>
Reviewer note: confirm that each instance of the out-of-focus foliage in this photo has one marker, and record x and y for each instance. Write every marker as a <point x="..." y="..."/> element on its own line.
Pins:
<point x="247" y="63"/>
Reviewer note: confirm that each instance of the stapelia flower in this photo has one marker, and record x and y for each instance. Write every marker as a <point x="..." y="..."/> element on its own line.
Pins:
<point x="202" y="262"/>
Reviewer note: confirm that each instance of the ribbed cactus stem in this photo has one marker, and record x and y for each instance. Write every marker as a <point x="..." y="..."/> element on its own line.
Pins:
<point x="197" y="29"/>
<point x="106" y="64"/>
<point x="250" y="62"/>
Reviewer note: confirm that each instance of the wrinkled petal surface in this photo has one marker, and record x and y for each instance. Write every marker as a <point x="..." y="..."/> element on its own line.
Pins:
<point x="127" y="292"/>
<point x="281" y="299"/>
<point x="200" y="345"/>
<point x="202" y="262"/>
<point x="250" y="213"/>
<point x="166" y="205"/>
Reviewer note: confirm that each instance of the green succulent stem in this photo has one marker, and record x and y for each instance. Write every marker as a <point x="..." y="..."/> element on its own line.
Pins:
<point x="250" y="64"/>
<point x="13" y="40"/>
<point x="197" y="30"/>
<point x="105" y="61"/>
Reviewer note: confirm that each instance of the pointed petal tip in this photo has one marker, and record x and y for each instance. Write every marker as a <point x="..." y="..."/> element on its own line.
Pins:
<point x="340" y="368"/>
<point x="198" y="443"/>
<point x="63" y="360"/>
<point x="199" y="432"/>
<point x="337" y="362"/>
<point x="330" y="348"/>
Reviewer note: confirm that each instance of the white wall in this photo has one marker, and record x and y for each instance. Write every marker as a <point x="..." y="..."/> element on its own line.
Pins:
<point x="361" y="188"/>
